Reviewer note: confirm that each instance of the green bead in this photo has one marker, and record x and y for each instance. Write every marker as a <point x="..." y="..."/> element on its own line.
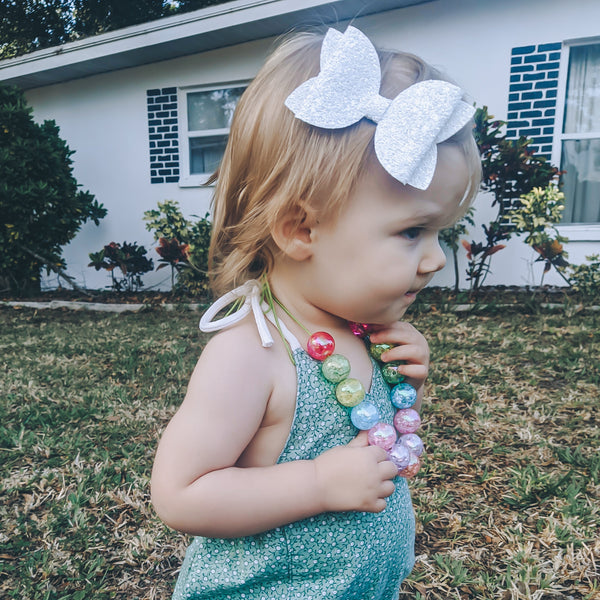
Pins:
<point x="335" y="368"/>
<point x="378" y="349"/>
<point x="390" y="373"/>
<point x="350" y="392"/>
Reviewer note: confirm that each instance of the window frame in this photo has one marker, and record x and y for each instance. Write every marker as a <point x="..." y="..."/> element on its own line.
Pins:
<point x="575" y="232"/>
<point x="187" y="179"/>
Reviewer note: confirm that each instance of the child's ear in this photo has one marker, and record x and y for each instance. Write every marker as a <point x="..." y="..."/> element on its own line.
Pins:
<point x="293" y="233"/>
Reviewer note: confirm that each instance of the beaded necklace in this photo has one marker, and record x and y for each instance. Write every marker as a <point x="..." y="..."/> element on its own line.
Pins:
<point x="403" y="446"/>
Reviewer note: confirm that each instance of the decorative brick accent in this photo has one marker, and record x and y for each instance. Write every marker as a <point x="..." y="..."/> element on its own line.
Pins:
<point x="532" y="94"/>
<point x="163" y="135"/>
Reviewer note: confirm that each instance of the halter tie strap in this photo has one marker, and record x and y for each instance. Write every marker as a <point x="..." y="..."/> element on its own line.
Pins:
<point x="251" y="292"/>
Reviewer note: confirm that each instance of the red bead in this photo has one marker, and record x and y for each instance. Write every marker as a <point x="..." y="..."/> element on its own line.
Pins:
<point x="320" y="345"/>
<point x="360" y="329"/>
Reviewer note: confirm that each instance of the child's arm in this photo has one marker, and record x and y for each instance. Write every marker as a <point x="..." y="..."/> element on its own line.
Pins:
<point x="196" y="487"/>
<point x="412" y="349"/>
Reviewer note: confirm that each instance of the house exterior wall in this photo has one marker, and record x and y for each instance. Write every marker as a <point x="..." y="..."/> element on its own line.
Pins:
<point x="104" y="118"/>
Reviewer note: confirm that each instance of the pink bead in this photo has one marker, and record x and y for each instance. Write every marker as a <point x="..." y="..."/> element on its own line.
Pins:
<point x="382" y="435"/>
<point x="320" y="345"/>
<point x="413" y="467"/>
<point x="407" y="420"/>
<point x="360" y="329"/>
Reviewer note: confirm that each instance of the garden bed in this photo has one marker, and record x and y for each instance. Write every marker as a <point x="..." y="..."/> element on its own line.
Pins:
<point x="437" y="296"/>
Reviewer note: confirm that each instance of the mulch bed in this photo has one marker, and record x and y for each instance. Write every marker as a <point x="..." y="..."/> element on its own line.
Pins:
<point x="496" y="295"/>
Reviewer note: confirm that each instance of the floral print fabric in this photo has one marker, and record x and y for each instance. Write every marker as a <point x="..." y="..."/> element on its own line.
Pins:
<point x="341" y="556"/>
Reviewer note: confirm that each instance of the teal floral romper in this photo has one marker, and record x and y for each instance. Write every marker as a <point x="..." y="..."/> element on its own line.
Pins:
<point x="341" y="556"/>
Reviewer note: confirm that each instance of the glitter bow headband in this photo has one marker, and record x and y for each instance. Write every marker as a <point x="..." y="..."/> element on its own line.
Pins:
<point x="409" y="127"/>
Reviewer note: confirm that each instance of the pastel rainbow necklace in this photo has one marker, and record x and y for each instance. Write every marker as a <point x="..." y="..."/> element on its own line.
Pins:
<point x="403" y="446"/>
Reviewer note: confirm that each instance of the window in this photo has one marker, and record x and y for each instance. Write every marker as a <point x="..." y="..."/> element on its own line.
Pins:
<point x="580" y="137"/>
<point x="206" y="118"/>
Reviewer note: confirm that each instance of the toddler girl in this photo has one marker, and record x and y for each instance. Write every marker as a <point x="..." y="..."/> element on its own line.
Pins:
<point x="342" y="166"/>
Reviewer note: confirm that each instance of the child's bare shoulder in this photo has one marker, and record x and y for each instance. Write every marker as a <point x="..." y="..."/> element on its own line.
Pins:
<point x="239" y="341"/>
<point x="236" y="355"/>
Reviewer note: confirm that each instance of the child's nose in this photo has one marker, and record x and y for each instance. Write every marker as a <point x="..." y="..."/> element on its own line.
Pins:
<point x="433" y="259"/>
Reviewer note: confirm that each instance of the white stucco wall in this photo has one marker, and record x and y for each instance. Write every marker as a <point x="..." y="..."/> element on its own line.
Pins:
<point x="103" y="118"/>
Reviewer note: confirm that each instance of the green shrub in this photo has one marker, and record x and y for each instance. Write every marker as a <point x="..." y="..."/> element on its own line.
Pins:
<point x="536" y="214"/>
<point x="585" y="278"/>
<point x="183" y="244"/>
<point x="41" y="206"/>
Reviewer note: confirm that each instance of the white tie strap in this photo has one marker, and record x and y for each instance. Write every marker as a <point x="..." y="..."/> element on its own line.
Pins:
<point x="251" y="292"/>
<point x="409" y="127"/>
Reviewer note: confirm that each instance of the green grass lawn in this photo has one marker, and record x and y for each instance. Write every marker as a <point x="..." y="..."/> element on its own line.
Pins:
<point x="507" y="503"/>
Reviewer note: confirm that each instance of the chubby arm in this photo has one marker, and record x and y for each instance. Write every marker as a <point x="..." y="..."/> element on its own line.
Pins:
<point x="412" y="349"/>
<point x="197" y="487"/>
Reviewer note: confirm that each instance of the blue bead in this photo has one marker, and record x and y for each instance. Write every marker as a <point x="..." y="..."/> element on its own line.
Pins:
<point x="365" y="415"/>
<point x="403" y="395"/>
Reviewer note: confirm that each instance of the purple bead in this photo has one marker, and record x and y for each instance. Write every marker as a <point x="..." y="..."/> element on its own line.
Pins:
<point x="403" y="395"/>
<point x="382" y="435"/>
<point x="407" y="420"/>
<point x="413" y="442"/>
<point x="399" y="454"/>
<point x="365" y="415"/>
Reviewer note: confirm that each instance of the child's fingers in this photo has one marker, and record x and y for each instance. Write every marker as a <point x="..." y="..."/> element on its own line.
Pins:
<point x="387" y="470"/>
<point x="413" y="371"/>
<point x="387" y="488"/>
<point x="360" y="441"/>
<point x="407" y="351"/>
<point x="398" y="333"/>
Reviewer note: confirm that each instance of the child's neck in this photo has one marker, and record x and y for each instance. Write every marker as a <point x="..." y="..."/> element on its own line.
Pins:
<point x="290" y="294"/>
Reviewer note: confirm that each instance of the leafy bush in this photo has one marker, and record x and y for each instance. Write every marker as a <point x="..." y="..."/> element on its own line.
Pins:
<point x="129" y="258"/>
<point x="586" y="278"/>
<point x="42" y="208"/>
<point x="183" y="245"/>
<point x="537" y="214"/>
<point x="510" y="171"/>
<point x="451" y="236"/>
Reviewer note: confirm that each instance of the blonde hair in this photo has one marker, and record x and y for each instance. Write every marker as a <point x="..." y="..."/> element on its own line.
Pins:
<point x="276" y="165"/>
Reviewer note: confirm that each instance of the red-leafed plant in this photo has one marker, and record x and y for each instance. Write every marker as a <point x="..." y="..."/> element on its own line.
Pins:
<point x="174" y="254"/>
<point x="510" y="169"/>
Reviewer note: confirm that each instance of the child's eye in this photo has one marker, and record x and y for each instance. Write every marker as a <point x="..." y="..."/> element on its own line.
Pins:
<point x="412" y="233"/>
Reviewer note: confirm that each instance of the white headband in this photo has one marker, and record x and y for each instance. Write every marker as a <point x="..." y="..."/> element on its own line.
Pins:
<point x="409" y="127"/>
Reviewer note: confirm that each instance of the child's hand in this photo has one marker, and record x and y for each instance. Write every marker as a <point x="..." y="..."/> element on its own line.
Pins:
<point x="412" y="349"/>
<point x="355" y="477"/>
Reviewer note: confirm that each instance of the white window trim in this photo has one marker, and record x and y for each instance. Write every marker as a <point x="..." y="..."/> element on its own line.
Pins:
<point x="198" y="179"/>
<point x="575" y="232"/>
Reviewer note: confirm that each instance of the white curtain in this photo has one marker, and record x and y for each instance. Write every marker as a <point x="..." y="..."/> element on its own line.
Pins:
<point x="581" y="157"/>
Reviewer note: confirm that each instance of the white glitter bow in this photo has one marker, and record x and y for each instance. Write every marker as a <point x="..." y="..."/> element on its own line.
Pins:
<point x="251" y="293"/>
<point x="409" y="127"/>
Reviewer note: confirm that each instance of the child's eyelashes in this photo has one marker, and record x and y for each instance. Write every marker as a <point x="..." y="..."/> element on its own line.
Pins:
<point x="412" y="233"/>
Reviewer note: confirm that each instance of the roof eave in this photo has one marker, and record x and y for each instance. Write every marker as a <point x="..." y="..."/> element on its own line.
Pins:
<point x="190" y="33"/>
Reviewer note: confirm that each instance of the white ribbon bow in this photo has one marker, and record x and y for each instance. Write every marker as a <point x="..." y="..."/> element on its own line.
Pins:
<point x="409" y="127"/>
<point x="251" y="293"/>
